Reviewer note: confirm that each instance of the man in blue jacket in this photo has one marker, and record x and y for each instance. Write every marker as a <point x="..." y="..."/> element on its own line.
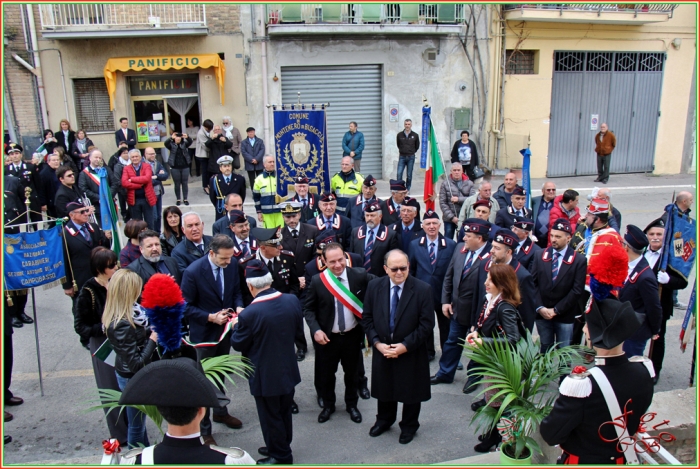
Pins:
<point x="353" y="144"/>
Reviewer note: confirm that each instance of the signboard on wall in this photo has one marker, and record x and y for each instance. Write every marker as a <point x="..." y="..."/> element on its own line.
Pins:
<point x="164" y="84"/>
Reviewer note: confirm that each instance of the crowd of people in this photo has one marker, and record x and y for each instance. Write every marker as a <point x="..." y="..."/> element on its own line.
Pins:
<point x="360" y="271"/>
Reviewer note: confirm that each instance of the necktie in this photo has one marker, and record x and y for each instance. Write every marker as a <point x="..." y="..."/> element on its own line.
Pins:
<point x="227" y="179"/>
<point x="86" y="234"/>
<point x="201" y="248"/>
<point x="555" y="266"/>
<point x="467" y="264"/>
<point x="394" y="304"/>
<point x="220" y="281"/>
<point x="432" y="254"/>
<point x="244" y="248"/>
<point x="341" y="311"/>
<point x="368" y="250"/>
<point x="295" y="234"/>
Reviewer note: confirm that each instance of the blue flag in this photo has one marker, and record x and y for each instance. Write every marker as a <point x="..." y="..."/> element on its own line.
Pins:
<point x="33" y="259"/>
<point x="301" y="149"/>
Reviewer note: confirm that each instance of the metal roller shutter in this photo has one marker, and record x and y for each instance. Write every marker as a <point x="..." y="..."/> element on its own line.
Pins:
<point x="354" y="94"/>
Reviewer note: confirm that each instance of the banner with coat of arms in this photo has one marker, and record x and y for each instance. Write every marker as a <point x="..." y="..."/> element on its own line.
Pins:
<point x="301" y="149"/>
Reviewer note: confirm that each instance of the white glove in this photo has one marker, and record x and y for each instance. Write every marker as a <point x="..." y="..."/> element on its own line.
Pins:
<point x="663" y="277"/>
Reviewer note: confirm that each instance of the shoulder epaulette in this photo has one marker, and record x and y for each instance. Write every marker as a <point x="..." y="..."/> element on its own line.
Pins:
<point x="577" y="384"/>
<point x="233" y="452"/>
<point x="648" y="363"/>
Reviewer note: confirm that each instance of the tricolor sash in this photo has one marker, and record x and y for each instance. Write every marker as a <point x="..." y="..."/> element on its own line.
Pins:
<point x="341" y="293"/>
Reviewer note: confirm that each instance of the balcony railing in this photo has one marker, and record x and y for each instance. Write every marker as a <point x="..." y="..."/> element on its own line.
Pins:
<point x="663" y="8"/>
<point x="84" y="17"/>
<point x="365" y="13"/>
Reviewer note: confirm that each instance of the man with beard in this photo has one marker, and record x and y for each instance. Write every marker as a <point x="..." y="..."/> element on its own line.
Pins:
<point x="152" y="260"/>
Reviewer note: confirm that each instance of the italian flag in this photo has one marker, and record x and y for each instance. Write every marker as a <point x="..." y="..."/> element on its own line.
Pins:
<point x="433" y="170"/>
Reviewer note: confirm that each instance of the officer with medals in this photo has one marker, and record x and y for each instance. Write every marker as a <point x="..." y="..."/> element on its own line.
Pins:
<point x="182" y="393"/>
<point x="225" y="183"/>
<point x="585" y="419"/>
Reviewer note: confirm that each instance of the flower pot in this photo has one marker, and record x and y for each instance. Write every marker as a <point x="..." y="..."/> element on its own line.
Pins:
<point x="524" y="460"/>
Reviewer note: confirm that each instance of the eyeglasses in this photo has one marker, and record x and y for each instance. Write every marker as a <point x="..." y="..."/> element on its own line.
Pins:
<point x="396" y="269"/>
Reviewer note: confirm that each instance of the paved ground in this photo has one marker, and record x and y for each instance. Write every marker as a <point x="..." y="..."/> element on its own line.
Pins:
<point x="54" y="429"/>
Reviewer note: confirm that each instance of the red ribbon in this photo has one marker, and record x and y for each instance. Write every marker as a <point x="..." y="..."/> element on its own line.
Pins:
<point x="111" y="446"/>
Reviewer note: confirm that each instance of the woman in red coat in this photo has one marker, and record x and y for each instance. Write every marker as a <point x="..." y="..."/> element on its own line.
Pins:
<point x="140" y="197"/>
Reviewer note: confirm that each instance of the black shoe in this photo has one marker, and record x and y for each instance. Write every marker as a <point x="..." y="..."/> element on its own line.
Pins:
<point x="471" y="385"/>
<point x="431" y="357"/>
<point x="325" y="414"/>
<point x="263" y="451"/>
<point x="406" y="438"/>
<point x="355" y="414"/>
<point x="460" y="367"/>
<point x="437" y="380"/>
<point x="301" y="354"/>
<point x="478" y="405"/>
<point x="266" y="461"/>
<point x="7" y="439"/>
<point x="321" y="404"/>
<point x="25" y="319"/>
<point x="488" y="441"/>
<point x="378" y="429"/>
<point x="295" y="408"/>
<point x="17" y="323"/>
<point x="363" y="392"/>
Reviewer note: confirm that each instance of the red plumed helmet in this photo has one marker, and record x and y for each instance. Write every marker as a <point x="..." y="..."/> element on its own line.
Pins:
<point x="610" y="266"/>
<point x="161" y="291"/>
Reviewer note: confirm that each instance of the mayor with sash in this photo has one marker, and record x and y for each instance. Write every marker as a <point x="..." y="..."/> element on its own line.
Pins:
<point x="333" y="311"/>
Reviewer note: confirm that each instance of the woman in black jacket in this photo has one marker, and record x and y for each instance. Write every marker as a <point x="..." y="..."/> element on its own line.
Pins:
<point x="464" y="152"/>
<point x="499" y="321"/>
<point x="180" y="162"/>
<point x="133" y="343"/>
<point x="88" y="324"/>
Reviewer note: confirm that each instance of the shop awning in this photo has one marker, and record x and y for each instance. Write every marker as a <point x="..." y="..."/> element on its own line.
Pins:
<point x="163" y="62"/>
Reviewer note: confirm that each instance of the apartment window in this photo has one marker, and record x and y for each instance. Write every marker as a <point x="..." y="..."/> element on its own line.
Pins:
<point x="92" y="105"/>
<point x="520" y="62"/>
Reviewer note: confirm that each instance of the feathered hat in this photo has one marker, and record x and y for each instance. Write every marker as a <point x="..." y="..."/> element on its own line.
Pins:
<point x="164" y="305"/>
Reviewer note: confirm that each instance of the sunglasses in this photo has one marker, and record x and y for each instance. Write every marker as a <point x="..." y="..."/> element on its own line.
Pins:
<point x="396" y="269"/>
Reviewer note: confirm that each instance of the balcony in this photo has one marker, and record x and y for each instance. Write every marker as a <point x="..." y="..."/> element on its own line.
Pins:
<point x="90" y="21"/>
<point x="364" y="19"/>
<point x="594" y="13"/>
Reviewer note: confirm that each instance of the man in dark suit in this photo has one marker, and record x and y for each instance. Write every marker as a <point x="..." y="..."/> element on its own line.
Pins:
<point x="211" y="288"/>
<point x="559" y="276"/>
<point x="28" y="175"/>
<point x="152" y="260"/>
<point x="506" y="216"/>
<point x="391" y="208"/>
<point x="329" y="220"/>
<point x="502" y="249"/>
<point x="398" y="317"/>
<point x="225" y="183"/>
<point x="298" y="238"/>
<point x="125" y="136"/>
<point x="356" y="207"/>
<point x="527" y="249"/>
<point x="233" y="202"/>
<point x="195" y="243"/>
<point x="429" y="258"/>
<point x="308" y="200"/>
<point x="373" y="240"/>
<point x="80" y="237"/>
<point x="67" y="191"/>
<point x="265" y="333"/>
<point x="408" y="227"/>
<point x="460" y="296"/>
<point x="669" y="281"/>
<point x="641" y="289"/>
<point x="333" y="312"/>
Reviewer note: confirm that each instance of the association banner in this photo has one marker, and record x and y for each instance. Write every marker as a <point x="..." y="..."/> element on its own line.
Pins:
<point x="301" y="149"/>
<point x="33" y="259"/>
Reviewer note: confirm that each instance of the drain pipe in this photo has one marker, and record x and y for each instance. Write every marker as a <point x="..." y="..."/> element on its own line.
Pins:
<point x="37" y="66"/>
<point x="263" y="63"/>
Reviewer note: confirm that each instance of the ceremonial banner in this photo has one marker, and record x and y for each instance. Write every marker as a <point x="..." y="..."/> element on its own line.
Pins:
<point x="526" y="176"/>
<point x="33" y="259"/>
<point x="300" y="149"/>
<point x="679" y="242"/>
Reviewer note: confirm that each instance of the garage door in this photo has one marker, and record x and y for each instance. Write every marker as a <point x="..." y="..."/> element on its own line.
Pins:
<point x="354" y="94"/>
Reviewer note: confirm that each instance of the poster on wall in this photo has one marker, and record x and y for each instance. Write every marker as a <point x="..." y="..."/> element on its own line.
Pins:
<point x="153" y="131"/>
<point x="142" y="131"/>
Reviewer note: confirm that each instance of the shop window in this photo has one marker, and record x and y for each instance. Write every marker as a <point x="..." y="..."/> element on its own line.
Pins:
<point x="92" y="105"/>
<point x="521" y="62"/>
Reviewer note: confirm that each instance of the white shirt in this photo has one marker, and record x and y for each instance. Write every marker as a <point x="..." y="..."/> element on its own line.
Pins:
<point x="631" y="265"/>
<point x="350" y="321"/>
<point x="653" y="257"/>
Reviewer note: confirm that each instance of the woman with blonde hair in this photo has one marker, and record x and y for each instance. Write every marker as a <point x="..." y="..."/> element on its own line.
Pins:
<point x="126" y="326"/>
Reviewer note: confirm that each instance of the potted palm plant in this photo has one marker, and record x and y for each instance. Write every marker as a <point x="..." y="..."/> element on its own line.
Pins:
<point x="524" y="381"/>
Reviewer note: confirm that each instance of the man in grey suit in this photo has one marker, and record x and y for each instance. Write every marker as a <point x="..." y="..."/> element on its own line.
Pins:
<point x="253" y="150"/>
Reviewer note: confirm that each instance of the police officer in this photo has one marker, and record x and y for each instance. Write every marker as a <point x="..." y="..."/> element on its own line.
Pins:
<point x="225" y="183"/>
<point x="307" y="200"/>
<point x="265" y="195"/>
<point x="328" y="219"/>
<point x="346" y="184"/>
<point x="581" y="422"/>
<point x="181" y="392"/>
<point x="356" y="206"/>
<point x="28" y="175"/>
